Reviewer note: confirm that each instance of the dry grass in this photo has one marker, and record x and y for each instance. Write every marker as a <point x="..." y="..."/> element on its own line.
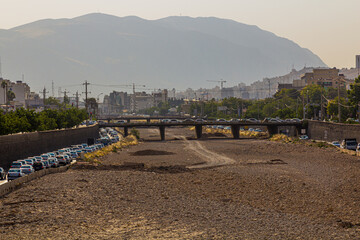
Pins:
<point x="94" y="156"/>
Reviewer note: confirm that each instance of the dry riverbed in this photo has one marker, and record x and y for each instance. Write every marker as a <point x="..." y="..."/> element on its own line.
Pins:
<point x="188" y="189"/>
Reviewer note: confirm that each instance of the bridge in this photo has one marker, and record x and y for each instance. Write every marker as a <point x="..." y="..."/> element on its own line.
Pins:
<point x="148" y="119"/>
<point x="273" y="128"/>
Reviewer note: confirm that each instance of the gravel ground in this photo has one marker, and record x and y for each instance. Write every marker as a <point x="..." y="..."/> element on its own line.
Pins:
<point x="244" y="189"/>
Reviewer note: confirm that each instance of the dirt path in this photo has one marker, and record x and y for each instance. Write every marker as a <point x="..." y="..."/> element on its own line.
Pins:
<point x="211" y="159"/>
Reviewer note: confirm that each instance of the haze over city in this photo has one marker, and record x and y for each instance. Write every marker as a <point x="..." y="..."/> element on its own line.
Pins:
<point x="179" y="119"/>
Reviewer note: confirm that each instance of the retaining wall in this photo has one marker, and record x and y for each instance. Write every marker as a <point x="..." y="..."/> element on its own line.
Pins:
<point x="333" y="131"/>
<point x="20" y="146"/>
<point x="14" y="184"/>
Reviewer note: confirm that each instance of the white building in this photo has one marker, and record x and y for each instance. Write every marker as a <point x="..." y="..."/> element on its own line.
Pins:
<point x="20" y="89"/>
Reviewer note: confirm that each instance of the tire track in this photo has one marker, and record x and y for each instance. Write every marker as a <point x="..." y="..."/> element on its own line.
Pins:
<point x="212" y="159"/>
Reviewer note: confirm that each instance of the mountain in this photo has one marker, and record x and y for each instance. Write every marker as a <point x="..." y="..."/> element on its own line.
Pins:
<point x="178" y="52"/>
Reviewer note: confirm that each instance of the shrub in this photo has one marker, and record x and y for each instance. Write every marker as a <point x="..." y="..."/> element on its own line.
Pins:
<point x="135" y="133"/>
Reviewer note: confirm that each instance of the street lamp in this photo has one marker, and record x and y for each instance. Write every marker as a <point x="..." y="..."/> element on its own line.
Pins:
<point x="99" y="96"/>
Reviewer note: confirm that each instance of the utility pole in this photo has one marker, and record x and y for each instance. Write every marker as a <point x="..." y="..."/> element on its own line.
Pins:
<point x="322" y="108"/>
<point x="65" y="96"/>
<point x="77" y="98"/>
<point x="86" y="96"/>
<point x="52" y="89"/>
<point x="44" y="92"/>
<point x="296" y="109"/>
<point x="0" y="69"/>
<point x="303" y="105"/>
<point x="269" y="88"/>
<point x="339" y="108"/>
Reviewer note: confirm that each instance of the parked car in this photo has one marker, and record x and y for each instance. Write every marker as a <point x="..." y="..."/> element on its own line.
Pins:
<point x="67" y="158"/>
<point x="62" y="160"/>
<point x="46" y="163"/>
<point x="2" y="174"/>
<point x="335" y="143"/>
<point x="16" y="165"/>
<point x="38" y="166"/>
<point x="23" y="162"/>
<point x="27" y="169"/>
<point x="304" y="137"/>
<point x="53" y="162"/>
<point x="44" y="157"/>
<point x="29" y="161"/>
<point x="349" y="143"/>
<point x="14" y="173"/>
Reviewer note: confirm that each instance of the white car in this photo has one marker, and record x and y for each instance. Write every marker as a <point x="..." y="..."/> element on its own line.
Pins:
<point x="304" y="137"/>
<point x="27" y="169"/>
<point x="14" y="173"/>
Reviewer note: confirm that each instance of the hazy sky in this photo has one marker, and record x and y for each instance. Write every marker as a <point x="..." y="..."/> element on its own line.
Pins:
<point x="329" y="28"/>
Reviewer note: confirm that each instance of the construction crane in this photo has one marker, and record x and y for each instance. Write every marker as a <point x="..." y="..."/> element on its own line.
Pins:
<point x="219" y="81"/>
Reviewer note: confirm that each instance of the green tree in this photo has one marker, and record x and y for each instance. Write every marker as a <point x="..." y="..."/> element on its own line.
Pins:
<point x="52" y="101"/>
<point x="10" y="96"/>
<point x="332" y="109"/>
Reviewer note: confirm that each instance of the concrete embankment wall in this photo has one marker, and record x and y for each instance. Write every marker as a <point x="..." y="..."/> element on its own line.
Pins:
<point x="19" y="146"/>
<point x="333" y="131"/>
<point x="14" y="184"/>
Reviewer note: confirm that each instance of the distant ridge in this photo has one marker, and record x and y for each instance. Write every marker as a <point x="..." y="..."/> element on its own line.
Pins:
<point x="178" y="52"/>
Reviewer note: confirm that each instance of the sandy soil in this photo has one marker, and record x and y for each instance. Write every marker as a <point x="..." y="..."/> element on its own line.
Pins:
<point x="194" y="189"/>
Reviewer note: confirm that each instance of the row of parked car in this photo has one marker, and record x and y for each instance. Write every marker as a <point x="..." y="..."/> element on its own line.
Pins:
<point x="53" y="159"/>
<point x="60" y="157"/>
<point x="348" y="143"/>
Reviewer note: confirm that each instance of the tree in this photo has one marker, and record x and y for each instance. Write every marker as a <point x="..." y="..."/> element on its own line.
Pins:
<point x="10" y="95"/>
<point x="66" y="99"/>
<point x="4" y="86"/>
<point x="311" y="95"/>
<point x="52" y="101"/>
<point x="92" y="106"/>
<point x="332" y="109"/>
<point x="354" y="96"/>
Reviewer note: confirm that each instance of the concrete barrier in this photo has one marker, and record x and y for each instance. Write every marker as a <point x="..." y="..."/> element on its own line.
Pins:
<point x="328" y="131"/>
<point x="8" y="187"/>
<point x="20" y="146"/>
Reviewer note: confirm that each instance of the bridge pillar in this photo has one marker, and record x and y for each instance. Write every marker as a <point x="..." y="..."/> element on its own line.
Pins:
<point x="198" y="129"/>
<point x="272" y="129"/>
<point x="126" y="131"/>
<point x="162" y="133"/>
<point x="235" y="131"/>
